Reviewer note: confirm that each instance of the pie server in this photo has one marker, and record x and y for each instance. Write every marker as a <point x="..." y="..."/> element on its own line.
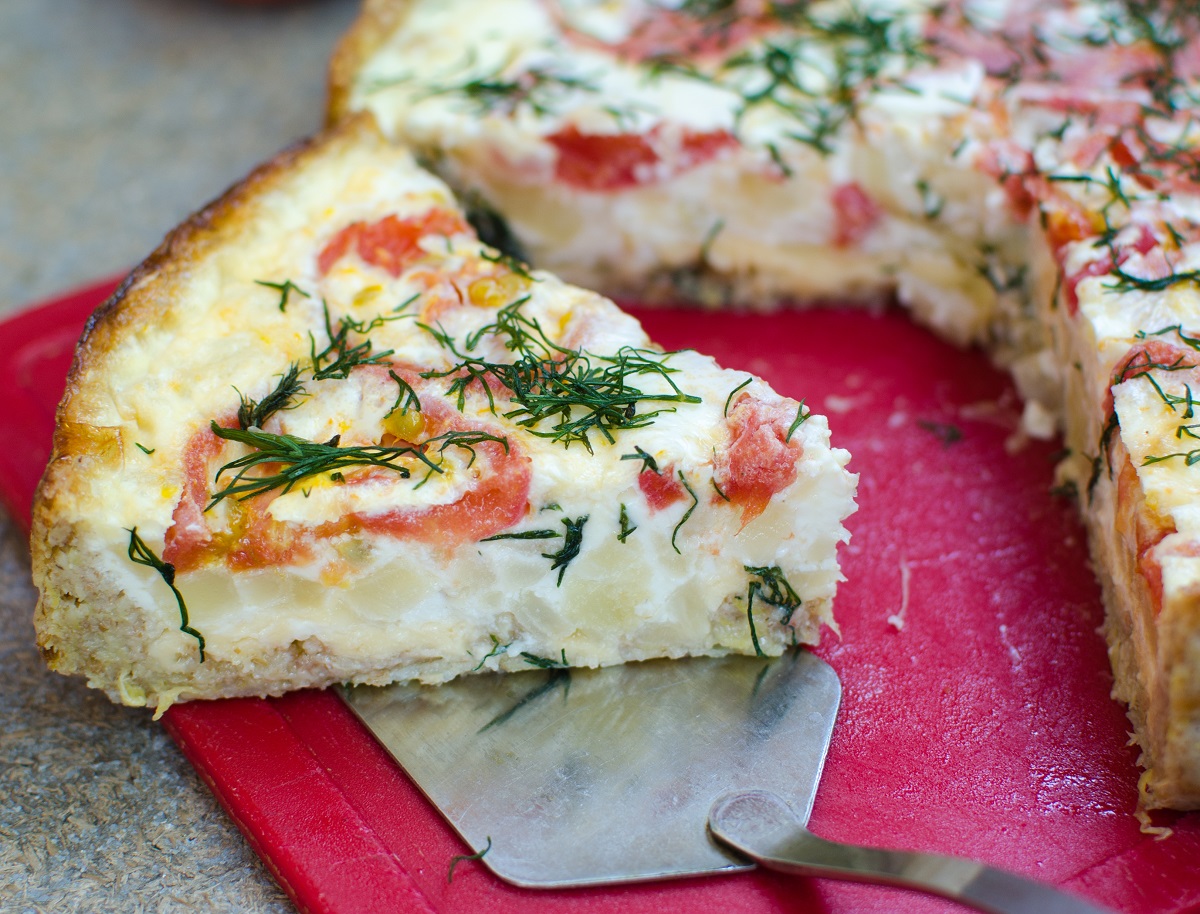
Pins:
<point x="650" y="771"/>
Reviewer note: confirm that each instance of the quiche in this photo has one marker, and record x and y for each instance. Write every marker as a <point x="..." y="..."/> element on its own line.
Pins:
<point x="325" y="435"/>
<point x="1023" y="176"/>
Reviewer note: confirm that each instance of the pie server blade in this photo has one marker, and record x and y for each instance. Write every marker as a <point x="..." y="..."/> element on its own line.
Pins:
<point x="653" y="770"/>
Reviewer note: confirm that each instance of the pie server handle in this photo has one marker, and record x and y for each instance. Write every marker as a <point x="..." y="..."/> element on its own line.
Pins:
<point x="761" y="826"/>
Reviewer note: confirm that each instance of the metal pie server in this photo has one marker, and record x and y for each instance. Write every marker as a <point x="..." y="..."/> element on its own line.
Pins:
<point x="650" y="771"/>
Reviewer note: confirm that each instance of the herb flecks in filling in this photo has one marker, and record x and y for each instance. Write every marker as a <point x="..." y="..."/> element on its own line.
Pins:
<point x="142" y="554"/>
<point x="572" y="541"/>
<point x="561" y="394"/>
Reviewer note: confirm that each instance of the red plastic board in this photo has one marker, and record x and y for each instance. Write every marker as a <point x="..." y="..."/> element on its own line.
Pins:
<point x="976" y="717"/>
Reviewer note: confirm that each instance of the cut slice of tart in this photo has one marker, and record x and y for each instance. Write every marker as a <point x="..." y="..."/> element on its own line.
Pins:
<point x="1020" y="175"/>
<point x="325" y="435"/>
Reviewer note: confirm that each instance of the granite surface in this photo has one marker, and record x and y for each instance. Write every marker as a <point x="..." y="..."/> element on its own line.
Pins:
<point x="117" y="119"/>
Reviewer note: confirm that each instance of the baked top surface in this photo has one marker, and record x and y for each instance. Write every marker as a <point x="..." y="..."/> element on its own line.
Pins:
<point x="355" y="444"/>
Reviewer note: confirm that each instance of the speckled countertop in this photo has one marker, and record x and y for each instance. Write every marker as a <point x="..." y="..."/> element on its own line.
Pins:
<point x="117" y="119"/>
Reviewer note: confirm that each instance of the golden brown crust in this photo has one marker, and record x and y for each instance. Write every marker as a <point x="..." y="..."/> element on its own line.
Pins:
<point x="377" y="20"/>
<point x="143" y="298"/>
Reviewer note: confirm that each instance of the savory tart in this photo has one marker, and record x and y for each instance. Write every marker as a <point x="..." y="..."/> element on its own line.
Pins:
<point x="1021" y="175"/>
<point x="325" y="435"/>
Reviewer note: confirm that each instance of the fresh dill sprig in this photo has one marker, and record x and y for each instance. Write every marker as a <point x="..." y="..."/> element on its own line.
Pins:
<point x="142" y="554"/>
<point x="497" y="648"/>
<point x="686" y="514"/>
<point x="625" y="527"/>
<point x="285" y="289"/>
<point x="648" y="461"/>
<point x="538" y="88"/>
<point x="772" y="588"/>
<point x="145" y="450"/>
<point x="574" y="392"/>
<point x="1177" y="329"/>
<point x="406" y="398"/>
<point x="545" y="663"/>
<point x="254" y="413"/>
<point x="512" y="262"/>
<point x="463" y="858"/>
<point x="294" y="459"/>
<point x="572" y="541"/>
<point x="801" y="418"/>
<point x="338" y="358"/>
<point x="524" y="535"/>
<point x="729" y="399"/>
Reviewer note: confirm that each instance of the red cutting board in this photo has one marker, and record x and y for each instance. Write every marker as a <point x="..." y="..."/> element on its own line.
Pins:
<point x="980" y="726"/>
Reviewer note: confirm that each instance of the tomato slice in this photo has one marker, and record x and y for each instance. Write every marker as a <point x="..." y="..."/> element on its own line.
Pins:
<point x="617" y="161"/>
<point x="391" y="243"/>
<point x="497" y="498"/>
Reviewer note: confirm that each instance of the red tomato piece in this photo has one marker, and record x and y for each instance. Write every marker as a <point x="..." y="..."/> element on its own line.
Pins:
<point x="855" y="214"/>
<point x="391" y="243"/>
<point x="497" y="500"/>
<point x="759" y="461"/>
<point x="617" y="161"/>
<point x="661" y="489"/>
<point x="188" y="538"/>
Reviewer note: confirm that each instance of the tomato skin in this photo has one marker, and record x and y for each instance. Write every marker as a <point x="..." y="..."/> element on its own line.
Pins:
<point x="759" y="461"/>
<point x="600" y="162"/>
<point x="189" y="538"/>
<point x="661" y="489"/>
<point x="498" y="501"/>
<point x="391" y="243"/>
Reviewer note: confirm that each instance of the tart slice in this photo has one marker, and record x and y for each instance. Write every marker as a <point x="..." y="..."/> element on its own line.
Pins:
<point x="325" y="435"/>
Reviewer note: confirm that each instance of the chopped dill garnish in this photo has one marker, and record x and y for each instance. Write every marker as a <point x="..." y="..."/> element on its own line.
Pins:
<point x="538" y="88"/>
<point x="545" y="663"/>
<point x="462" y="858"/>
<point x="574" y="392"/>
<point x="773" y="589"/>
<point x="718" y="489"/>
<point x="407" y="398"/>
<point x="254" y="414"/>
<point x="295" y="459"/>
<point x="686" y="514"/>
<point x="142" y="554"/>
<point x="572" y="541"/>
<point x="515" y="264"/>
<point x="626" y="527"/>
<point x="709" y="237"/>
<point x="497" y="648"/>
<point x="648" y="462"/>
<point x="145" y="450"/>
<point x="729" y="399"/>
<point x="285" y="288"/>
<point x="524" y="535"/>
<point x="338" y="358"/>
<point x="931" y="203"/>
<point x="801" y="418"/>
